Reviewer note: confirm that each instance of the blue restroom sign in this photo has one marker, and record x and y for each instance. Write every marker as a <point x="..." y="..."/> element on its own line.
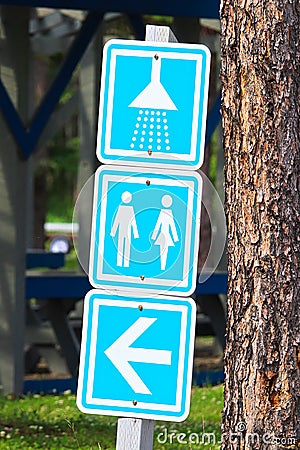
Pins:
<point x="145" y="232"/>
<point x="136" y="356"/>
<point x="153" y="104"/>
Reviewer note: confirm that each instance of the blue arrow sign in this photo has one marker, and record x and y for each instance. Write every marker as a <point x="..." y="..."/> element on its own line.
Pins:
<point x="145" y="231"/>
<point x="153" y="104"/>
<point x="142" y="365"/>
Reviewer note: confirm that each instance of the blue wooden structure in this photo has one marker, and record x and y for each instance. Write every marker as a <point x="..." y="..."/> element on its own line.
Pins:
<point x="40" y="258"/>
<point x="26" y="135"/>
<point x="74" y="285"/>
<point x="189" y="8"/>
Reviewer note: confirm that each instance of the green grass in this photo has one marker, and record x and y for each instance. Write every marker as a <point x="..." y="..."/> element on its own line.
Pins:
<point x="60" y="211"/>
<point x="54" y="422"/>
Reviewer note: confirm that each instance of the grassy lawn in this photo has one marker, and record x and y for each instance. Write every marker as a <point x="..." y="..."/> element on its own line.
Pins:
<point x="54" y="422"/>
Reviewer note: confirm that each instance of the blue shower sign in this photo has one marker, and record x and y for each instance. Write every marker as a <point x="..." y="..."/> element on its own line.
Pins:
<point x="145" y="233"/>
<point x="153" y="104"/>
<point x="136" y="356"/>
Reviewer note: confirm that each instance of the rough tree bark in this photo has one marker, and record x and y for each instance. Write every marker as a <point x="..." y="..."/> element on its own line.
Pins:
<point x="261" y="110"/>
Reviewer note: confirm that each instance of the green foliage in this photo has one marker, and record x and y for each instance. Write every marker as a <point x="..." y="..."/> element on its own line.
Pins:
<point x="54" y="422"/>
<point x="159" y="20"/>
<point x="57" y="165"/>
<point x="59" y="172"/>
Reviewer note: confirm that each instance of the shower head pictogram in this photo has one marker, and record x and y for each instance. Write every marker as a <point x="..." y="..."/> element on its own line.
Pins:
<point x="154" y="95"/>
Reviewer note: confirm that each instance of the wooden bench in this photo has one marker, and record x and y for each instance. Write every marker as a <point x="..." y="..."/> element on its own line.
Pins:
<point x="64" y="287"/>
<point x="41" y="258"/>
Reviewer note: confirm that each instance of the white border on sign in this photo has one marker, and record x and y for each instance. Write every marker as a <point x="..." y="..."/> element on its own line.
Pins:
<point x="111" y="86"/>
<point x="128" y="403"/>
<point x="142" y="181"/>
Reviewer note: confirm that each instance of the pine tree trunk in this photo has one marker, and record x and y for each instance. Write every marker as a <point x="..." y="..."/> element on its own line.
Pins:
<point x="261" y="110"/>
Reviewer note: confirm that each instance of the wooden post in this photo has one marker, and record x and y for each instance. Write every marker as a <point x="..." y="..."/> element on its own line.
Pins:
<point x="88" y="104"/>
<point x="13" y="201"/>
<point x="137" y="434"/>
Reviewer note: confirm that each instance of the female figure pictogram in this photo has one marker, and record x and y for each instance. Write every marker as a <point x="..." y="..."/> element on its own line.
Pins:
<point x="165" y="233"/>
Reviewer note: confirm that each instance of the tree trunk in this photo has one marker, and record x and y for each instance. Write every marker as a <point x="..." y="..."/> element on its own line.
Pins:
<point x="261" y="110"/>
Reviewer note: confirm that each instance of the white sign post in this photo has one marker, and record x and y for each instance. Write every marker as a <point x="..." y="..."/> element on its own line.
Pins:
<point x="137" y="434"/>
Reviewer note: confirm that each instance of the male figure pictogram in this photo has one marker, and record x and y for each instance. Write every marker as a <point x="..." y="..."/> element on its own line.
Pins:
<point x="126" y="225"/>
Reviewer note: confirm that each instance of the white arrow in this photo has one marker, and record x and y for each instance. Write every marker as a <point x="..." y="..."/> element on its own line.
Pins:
<point x="120" y="353"/>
